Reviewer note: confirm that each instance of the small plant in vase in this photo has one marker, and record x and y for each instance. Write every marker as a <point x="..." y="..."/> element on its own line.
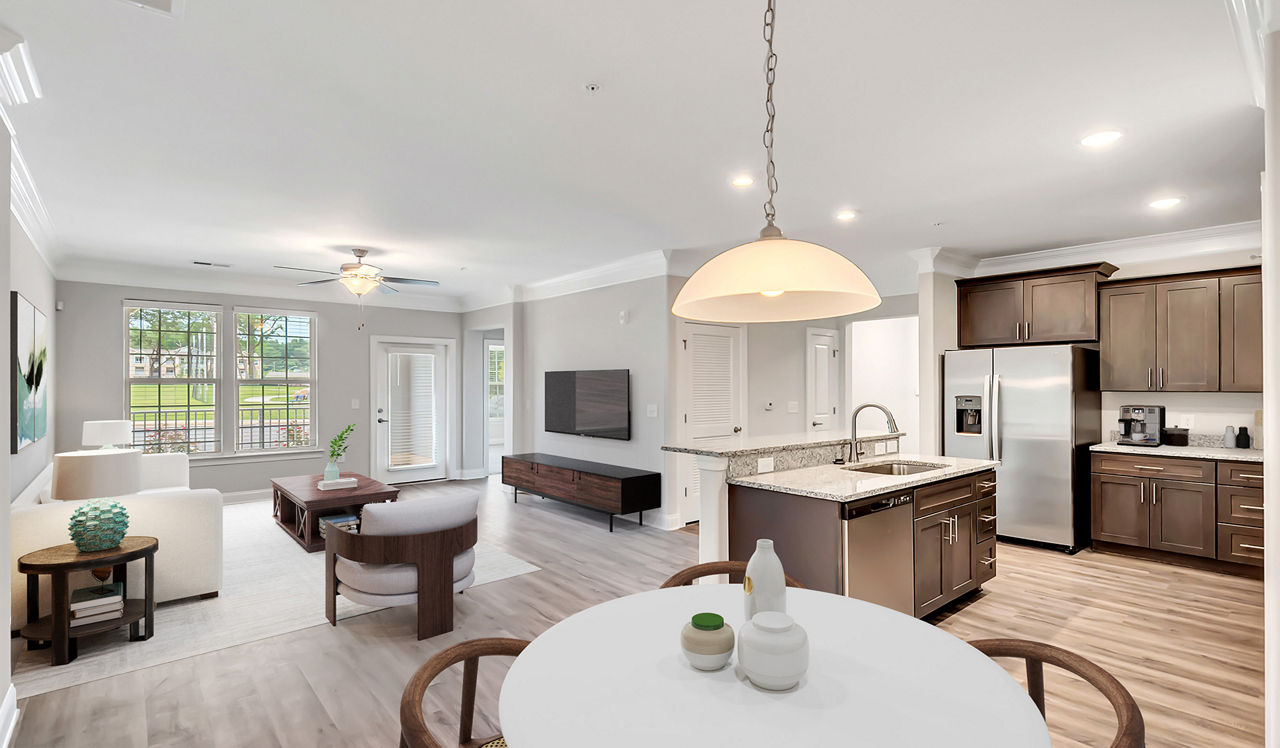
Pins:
<point x="337" y="448"/>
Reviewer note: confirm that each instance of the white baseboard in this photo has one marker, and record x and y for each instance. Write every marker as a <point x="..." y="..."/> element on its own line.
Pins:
<point x="9" y="715"/>
<point x="241" y="497"/>
<point x="653" y="518"/>
<point x="472" y="474"/>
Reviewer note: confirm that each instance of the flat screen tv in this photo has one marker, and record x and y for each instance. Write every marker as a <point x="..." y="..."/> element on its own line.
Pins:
<point x="589" y="403"/>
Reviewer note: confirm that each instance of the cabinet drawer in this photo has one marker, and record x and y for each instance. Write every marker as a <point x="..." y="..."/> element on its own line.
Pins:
<point x="599" y="491"/>
<point x="517" y="473"/>
<point x="1240" y="506"/>
<point x="555" y="481"/>
<point x="986" y="560"/>
<point x="1240" y="474"/>
<point x="986" y="484"/>
<point x="1242" y="545"/>
<point x="1167" y="468"/>
<point x="940" y="496"/>
<point x="986" y="519"/>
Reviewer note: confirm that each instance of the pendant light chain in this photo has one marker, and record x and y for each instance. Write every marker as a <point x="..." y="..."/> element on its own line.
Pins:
<point x="770" y="71"/>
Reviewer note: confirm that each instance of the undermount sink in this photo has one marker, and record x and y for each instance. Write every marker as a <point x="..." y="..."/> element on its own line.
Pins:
<point x="894" y="468"/>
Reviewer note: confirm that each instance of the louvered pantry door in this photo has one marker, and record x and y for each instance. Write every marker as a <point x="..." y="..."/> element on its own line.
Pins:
<point x="410" y="413"/>
<point x="712" y="382"/>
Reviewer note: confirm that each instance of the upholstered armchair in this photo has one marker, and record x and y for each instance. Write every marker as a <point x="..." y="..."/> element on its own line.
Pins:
<point x="416" y="551"/>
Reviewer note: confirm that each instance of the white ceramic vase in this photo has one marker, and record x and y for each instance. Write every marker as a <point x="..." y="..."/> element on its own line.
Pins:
<point x="773" y="651"/>
<point x="707" y="641"/>
<point x="765" y="584"/>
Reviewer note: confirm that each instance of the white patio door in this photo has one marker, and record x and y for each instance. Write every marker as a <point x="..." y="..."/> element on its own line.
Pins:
<point x="410" y="414"/>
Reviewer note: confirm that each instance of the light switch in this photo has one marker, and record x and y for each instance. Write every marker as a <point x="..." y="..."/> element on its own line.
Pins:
<point x="651" y="410"/>
<point x="764" y="465"/>
<point x="793" y="406"/>
<point x="355" y="403"/>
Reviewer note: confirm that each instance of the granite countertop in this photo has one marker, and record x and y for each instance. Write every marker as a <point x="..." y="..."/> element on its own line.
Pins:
<point x="1201" y="453"/>
<point x="836" y="483"/>
<point x="745" y="445"/>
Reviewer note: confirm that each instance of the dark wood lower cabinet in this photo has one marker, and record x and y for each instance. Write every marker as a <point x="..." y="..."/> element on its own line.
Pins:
<point x="962" y="561"/>
<point x="1241" y="545"/>
<point x="986" y="552"/>
<point x="1120" y="510"/>
<point x="951" y="545"/>
<point x="1182" y="518"/>
<point x="932" y="536"/>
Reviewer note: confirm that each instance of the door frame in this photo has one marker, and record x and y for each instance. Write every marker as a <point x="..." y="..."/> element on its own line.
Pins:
<point x="684" y="394"/>
<point x="453" y="397"/>
<point x="485" y="343"/>
<point x="837" y="386"/>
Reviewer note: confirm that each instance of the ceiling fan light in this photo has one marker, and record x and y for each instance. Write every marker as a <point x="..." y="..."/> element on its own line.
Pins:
<point x="359" y="284"/>
<point x="775" y="280"/>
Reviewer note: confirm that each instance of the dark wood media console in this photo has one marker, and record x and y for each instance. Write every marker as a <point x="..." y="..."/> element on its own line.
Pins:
<point x="605" y="488"/>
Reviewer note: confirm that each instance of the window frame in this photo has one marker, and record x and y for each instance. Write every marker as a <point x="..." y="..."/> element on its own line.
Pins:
<point x="231" y="438"/>
<point x="159" y="381"/>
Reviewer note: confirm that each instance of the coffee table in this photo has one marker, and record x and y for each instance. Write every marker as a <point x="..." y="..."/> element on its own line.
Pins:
<point x="298" y="505"/>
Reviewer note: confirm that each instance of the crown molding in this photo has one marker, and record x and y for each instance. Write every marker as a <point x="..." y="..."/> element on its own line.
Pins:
<point x="1211" y="240"/>
<point x="26" y="204"/>
<point x="636" y="267"/>
<point x="496" y="296"/>
<point x="943" y="260"/>
<point x="1251" y="22"/>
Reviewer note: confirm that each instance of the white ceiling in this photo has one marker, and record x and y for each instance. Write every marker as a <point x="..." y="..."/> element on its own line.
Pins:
<point x="450" y="135"/>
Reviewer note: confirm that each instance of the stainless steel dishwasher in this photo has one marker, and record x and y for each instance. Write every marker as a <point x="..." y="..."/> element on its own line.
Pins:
<point x="879" y="560"/>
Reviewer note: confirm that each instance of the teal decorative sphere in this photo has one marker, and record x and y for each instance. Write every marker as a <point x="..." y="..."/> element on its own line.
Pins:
<point x="98" y="525"/>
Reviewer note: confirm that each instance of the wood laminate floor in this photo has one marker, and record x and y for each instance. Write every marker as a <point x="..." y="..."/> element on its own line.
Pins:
<point x="1187" y="643"/>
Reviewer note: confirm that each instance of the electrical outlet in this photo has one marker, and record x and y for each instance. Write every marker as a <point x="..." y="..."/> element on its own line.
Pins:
<point x="764" y="465"/>
<point x="651" y="410"/>
<point x="880" y="448"/>
<point x="1188" y="421"/>
<point x="793" y="406"/>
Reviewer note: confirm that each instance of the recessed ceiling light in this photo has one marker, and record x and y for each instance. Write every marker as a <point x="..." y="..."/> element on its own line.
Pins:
<point x="846" y="215"/>
<point x="1165" y="203"/>
<point x="1101" y="138"/>
<point x="743" y="180"/>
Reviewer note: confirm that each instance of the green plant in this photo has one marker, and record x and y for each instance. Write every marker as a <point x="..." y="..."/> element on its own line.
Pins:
<point x="338" y="444"/>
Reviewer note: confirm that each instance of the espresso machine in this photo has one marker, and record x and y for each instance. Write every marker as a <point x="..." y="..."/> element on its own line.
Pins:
<point x="1140" y="425"/>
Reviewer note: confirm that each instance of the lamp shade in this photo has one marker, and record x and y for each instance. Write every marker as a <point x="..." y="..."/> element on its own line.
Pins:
<point x="775" y="279"/>
<point x="96" y="473"/>
<point x="107" y="433"/>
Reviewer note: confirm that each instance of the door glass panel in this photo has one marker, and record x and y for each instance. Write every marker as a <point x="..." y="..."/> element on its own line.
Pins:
<point x="411" y="408"/>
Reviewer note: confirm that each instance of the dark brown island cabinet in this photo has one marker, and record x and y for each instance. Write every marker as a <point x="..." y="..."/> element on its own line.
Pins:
<point x="951" y="527"/>
<point x="606" y="488"/>
<point x="1174" y="508"/>
<point x="1048" y="306"/>
<point x="1199" y="332"/>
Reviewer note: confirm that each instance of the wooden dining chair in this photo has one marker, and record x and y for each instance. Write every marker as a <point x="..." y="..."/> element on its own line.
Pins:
<point x="413" y="726"/>
<point x="1130" y="731"/>
<point x="735" y="569"/>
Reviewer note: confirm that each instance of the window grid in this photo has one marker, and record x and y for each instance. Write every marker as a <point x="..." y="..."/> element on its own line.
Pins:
<point x="496" y="380"/>
<point x="274" y="357"/>
<point x="172" y="377"/>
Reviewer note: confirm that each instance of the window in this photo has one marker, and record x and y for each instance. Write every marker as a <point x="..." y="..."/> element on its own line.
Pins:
<point x="497" y="377"/>
<point x="173" y="378"/>
<point x="274" y="389"/>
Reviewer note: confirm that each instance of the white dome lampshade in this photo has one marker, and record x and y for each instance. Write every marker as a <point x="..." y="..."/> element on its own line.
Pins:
<point x="775" y="279"/>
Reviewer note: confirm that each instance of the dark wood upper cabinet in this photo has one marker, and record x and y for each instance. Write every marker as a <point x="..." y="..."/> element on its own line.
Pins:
<point x="1183" y="518"/>
<point x="1240" y="315"/>
<point x="1051" y="306"/>
<point x="1120" y="510"/>
<point x="991" y="314"/>
<point x="1128" y="341"/>
<point x="1187" y="334"/>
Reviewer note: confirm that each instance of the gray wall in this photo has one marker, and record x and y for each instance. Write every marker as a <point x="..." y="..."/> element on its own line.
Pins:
<point x="582" y="331"/>
<point x="30" y="275"/>
<point x="90" y="376"/>
<point x="775" y="372"/>
<point x="477" y="327"/>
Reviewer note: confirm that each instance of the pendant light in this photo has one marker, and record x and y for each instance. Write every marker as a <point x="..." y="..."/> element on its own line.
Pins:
<point x="774" y="279"/>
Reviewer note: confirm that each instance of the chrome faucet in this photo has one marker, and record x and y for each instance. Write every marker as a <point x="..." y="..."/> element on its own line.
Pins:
<point x="855" y="451"/>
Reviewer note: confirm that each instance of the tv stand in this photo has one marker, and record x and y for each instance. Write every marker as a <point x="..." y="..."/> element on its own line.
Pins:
<point x="594" y="485"/>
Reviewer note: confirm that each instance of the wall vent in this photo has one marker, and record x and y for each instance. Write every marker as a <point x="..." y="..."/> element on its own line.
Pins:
<point x="172" y="8"/>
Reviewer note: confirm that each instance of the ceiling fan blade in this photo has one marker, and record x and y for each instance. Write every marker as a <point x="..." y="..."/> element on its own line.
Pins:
<point x="322" y="280"/>
<point x="384" y="288"/>
<point x="410" y="281"/>
<point x="305" y="270"/>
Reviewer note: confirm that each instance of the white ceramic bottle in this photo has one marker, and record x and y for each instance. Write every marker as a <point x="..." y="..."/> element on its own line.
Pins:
<point x="773" y="651"/>
<point x="765" y="584"/>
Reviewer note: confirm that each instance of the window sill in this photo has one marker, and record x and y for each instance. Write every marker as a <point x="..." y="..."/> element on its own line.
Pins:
<point x="243" y="457"/>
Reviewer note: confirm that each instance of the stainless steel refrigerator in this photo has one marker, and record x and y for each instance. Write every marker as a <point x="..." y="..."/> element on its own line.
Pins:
<point x="1036" y="409"/>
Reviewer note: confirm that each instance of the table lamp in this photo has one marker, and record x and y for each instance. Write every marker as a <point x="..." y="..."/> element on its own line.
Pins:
<point x="107" y="434"/>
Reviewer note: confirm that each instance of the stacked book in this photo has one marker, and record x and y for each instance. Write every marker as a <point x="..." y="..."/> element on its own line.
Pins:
<point x="345" y="522"/>
<point x="98" y="603"/>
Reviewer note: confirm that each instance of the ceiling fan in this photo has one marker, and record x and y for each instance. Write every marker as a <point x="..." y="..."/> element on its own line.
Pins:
<point x="359" y="277"/>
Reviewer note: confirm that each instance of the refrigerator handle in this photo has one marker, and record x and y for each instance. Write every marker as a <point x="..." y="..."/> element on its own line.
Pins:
<point x="995" y="417"/>
<point x="988" y="424"/>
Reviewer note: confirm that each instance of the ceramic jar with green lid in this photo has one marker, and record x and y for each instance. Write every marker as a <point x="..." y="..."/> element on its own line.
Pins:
<point x="707" y="641"/>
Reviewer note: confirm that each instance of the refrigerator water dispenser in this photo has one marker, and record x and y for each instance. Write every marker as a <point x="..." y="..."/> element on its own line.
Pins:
<point x="968" y="414"/>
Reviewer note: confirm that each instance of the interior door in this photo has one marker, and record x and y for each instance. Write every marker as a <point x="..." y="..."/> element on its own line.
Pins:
<point x="712" y="384"/>
<point x="822" y="380"/>
<point x="409" y="412"/>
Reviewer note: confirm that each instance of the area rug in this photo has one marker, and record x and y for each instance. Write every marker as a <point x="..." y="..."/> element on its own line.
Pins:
<point x="270" y="587"/>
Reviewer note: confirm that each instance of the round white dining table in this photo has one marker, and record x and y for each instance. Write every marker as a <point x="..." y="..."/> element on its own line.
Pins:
<point x="613" y="675"/>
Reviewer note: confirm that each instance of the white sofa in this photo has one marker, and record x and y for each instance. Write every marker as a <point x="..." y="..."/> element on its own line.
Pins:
<point x="186" y="521"/>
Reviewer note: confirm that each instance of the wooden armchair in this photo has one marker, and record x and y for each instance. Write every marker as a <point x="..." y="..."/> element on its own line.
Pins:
<point x="735" y="569"/>
<point x="413" y="726"/>
<point x="424" y="568"/>
<point x="1130" y="731"/>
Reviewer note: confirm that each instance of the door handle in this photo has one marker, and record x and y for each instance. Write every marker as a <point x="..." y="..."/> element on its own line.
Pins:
<point x="1161" y="378"/>
<point x="1155" y="494"/>
<point x="1150" y="378"/>
<point x="816" y="423"/>
<point x="995" y="417"/>
<point x="987" y="517"/>
<point x="1028" y="329"/>
<point x="738" y="429"/>
<point x="1250" y="476"/>
<point x="1142" y="493"/>
<point x="1251" y="547"/>
<point x="382" y="420"/>
<point x="1254" y="508"/>
<point x="987" y="561"/>
<point x="1017" y="331"/>
<point x="1149" y="467"/>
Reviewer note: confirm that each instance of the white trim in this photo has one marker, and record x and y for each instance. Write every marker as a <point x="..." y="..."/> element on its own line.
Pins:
<point x="474" y="473"/>
<point x="9" y="714"/>
<point x="244" y="497"/>
<point x="184" y="306"/>
<point x="27" y="205"/>
<point x="943" y="260"/>
<point x="207" y="460"/>
<point x="1248" y="22"/>
<point x="636" y="267"/>
<point x="229" y="445"/>
<point x="1211" y="240"/>
<point x="28" y="494"/>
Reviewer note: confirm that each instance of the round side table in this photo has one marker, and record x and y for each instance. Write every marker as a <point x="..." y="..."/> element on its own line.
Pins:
<point x="58" y="562"/>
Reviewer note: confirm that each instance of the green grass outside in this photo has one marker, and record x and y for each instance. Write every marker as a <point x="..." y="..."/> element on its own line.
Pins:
<point x="174" y="396"/>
